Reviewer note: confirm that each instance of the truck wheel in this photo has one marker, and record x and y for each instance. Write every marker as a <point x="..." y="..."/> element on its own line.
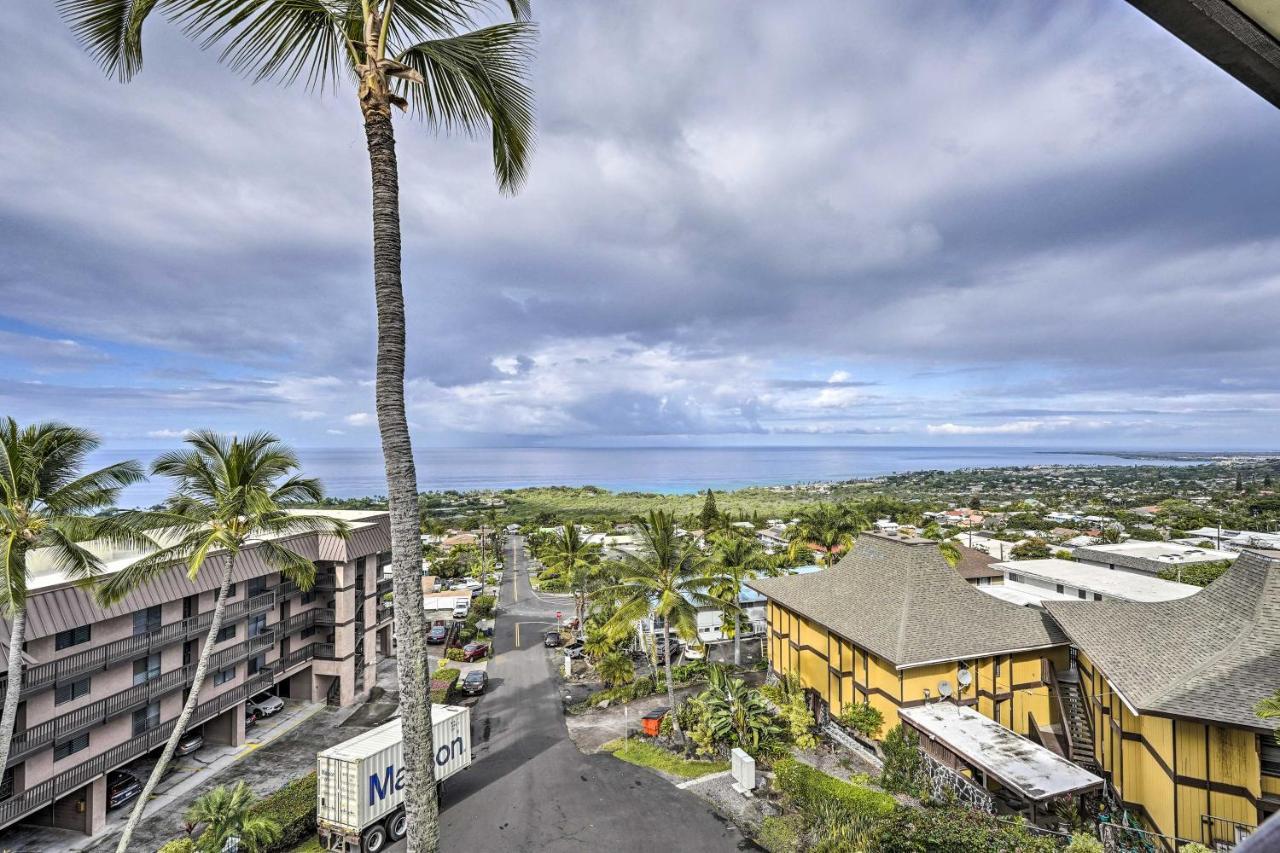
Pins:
<point x="398" y="825"/>
<point x="375" y="838"/>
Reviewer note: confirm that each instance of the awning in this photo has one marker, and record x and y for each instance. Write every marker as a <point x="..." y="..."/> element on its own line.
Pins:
<point x="1034" y="773"/>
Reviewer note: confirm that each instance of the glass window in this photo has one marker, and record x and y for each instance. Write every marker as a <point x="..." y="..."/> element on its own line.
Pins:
<point x="1097" y="596"/>
<point x="257" y="624"/>
<point x="145" y="669"/>
<point x="146" y="621"/>
<point x="1058" y="588"/>
<point x="71" y="747"/>
<point x="257" y="664"/>
<point x="1270" y="758"/>
<point x="231" y="591"/>
<point x="222" y="676"/>
<point x="71" y="691"/>
<point x="72" y="637"/>
<point x="227" y="632"/>
<point x="1082" y="594"/>
<point x="308" y="597"/>
<point x="309" y="632"/>
<point x="257" y="586"/>
<point x="146" y="719"/>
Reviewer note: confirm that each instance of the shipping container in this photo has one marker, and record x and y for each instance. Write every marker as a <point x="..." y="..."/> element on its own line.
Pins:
<point x="360" y="783"/>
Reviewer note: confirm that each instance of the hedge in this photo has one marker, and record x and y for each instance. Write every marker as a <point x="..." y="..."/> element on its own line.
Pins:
<point x="294" y="808"/>
<point x="179" y="845"/>
<point x="442" y="683"/>
<point x="812" y="789"/>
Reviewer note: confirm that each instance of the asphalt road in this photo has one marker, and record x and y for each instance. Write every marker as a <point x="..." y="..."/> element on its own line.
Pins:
<point x="530" y="789"/>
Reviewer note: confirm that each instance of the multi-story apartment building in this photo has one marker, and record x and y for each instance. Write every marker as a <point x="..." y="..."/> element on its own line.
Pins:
<point x="103" y="686"/>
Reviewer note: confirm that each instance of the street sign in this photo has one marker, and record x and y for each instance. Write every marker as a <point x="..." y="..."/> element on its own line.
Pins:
<point x="558" y="615"/>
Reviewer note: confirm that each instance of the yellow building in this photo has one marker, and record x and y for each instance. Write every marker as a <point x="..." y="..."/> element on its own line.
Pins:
<point x="1168" y="689"/>
<point x="893" y="625"/>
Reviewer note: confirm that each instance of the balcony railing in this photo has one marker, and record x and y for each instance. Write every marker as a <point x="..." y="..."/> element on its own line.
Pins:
<point x="325" y="651"/>
<point x="46" y="792"/>
<point x="44" y="675"/>
<point x="304" y="620"/>
<point x="294" y="658"/>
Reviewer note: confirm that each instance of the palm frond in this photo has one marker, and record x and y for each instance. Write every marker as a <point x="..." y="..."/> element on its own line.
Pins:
<point x="13" y="574"/>
<point x="475" y="79"/>
<point x="272" y="39"/>
<point x="291" y="564"/>
<point x="110" y="31"/>
<point x="147" y="569"/>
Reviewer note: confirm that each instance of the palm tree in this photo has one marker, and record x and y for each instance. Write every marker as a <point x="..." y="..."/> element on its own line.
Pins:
<point x="230" y="493"/>
<point x="1269" y="709"/>
<point x="416" y="55"/>
<point x="666" y="580"/>
<point x="572" y="557"/>
<point x="949" y="547"/>
<point x="45" y="503"/>
<point x="829" y="527"/>
<point x="616" y="668"/>
<point x="739" y="560"/>
<point x="226" y="813"/>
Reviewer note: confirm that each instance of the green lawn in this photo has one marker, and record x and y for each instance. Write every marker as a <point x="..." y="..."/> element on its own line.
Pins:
<point x="312" y="846"/>
<point x="655" y="757"/>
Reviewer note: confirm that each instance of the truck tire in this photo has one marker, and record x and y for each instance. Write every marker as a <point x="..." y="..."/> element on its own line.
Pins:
<point x="398" y="825"/>
<point x="375" y="838"/>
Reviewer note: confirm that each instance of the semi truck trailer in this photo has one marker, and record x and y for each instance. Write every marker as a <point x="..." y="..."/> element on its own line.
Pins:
<point x="360" y="783"/>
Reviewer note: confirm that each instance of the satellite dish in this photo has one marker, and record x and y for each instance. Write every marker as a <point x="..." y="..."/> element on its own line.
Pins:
<point x="964" y="678"/>
<point x="944" y="688"/>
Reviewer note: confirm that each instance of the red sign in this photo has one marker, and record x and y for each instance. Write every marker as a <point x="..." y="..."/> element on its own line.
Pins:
<point x="558" y="614"/>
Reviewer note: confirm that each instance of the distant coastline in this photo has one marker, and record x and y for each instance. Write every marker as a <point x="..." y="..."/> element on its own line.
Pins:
<point x="1201" y="456"/>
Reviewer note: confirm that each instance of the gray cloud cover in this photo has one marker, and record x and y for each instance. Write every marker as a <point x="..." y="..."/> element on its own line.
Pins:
<point x="896" y="222"/>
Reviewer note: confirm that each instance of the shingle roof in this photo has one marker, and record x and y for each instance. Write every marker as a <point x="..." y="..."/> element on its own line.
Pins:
<point x="898" y="598"/>
<point x="1211" y="656"/>
<point x="975" y="564"/>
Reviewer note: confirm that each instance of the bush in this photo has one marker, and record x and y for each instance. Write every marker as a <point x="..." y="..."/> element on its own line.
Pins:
<point x="453" y="654"/>
<point x="813" y="791"/>
<point x="1084" y="843"/>
<point x="1193" y="847"/>
<point x="293" y="807"/>
<point x="953" y="830"/>
<point x="484" y="606"/>
<point x="180" y="845"/>
<point x="901" y="761"/>
<point x="781" y="834"/>
<point x="864" y="719"/>
<point x="686" y="672"/>
<point x="793" y="712"/>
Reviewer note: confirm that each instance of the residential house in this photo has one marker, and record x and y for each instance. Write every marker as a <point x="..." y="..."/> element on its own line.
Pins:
<point x="1147" y="557"/>
<point x="1054" y="579"/>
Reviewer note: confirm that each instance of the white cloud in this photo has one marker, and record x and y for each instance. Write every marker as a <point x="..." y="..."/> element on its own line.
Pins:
<point x="168" y="433"/>
<point x="358" y="419"/>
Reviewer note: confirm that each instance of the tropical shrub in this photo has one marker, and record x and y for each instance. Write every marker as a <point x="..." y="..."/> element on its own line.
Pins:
<point x="442" y="683"/>
<point x="615" y="668"/>
<point x="1193" y="847"/>
<point x="953" y="830"/>
<point x="901" y="761"/>
<point x="483" y="606"/>
<point x="862" y="718"/>
<point x="224" y="813"/>
<point x="738" y="716"/>
<point x="782" y="834"/>
<point x="686" y="672"/>
<point x="797" y="721"/>
<point x="1082" y="842"/>
<point x="454" y="654"/>
<point x="178" y="845"/>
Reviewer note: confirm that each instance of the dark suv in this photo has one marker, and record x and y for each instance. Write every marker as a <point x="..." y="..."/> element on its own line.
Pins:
<point x="474" y="682"/>
<point x="553" y="640"/>
<point x="122" y="786"/>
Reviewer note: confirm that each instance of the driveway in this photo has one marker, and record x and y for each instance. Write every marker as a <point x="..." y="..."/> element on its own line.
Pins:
<point x="530" y="789"/>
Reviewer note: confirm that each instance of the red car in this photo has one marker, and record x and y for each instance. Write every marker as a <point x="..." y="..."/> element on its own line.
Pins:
<point x="474" y="651"/>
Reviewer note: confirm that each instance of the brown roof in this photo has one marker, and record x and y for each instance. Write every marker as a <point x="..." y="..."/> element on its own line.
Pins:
<point x="974" y="564"/>
<point x="1211" y="656"/>
<point x="898" y="598"/>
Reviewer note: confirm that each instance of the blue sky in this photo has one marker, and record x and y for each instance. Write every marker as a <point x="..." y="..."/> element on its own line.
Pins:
<point x="876" y="223"/>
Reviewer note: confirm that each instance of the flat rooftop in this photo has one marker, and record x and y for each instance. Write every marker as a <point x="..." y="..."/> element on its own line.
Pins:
<point x="1023" y="595"/>
<point x="45" y="573"/>
<point x="1112" y="583"/>
<point x="1164" y="552"/>
<point x="1031" y="770"/>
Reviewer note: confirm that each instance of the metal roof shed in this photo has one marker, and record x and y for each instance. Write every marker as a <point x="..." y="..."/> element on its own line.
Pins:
<point x="1034" y="773"/>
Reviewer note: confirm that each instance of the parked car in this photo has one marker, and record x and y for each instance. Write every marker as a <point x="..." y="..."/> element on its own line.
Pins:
<point x="474" y="651"/>
<point x="122" y="786"/>
<point x="461" y="609"/>
<point x="574" y="649"/>
<point x="474" y="682"/>
<point x="437" y="635"/>
<point x="695" y="651"/>
<point x="553" y="640"/>
<point x="190" y="742"/>
<point x="264" y="705"/>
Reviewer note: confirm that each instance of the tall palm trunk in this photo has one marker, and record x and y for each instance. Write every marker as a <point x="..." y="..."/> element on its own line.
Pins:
<point x="12" y="693"/>
<point x="402" y="484"/>
<point x="737" y="635"/>
<point x="671" y="685"/>
<point x="193" y="699"/>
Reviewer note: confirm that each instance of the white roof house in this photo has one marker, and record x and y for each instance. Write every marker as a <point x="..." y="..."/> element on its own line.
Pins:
<point x="1055" y="578"/>
<point x="1149" y="557"/>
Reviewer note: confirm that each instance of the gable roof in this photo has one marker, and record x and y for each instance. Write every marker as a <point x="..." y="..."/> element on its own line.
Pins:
<point x="898" y="598"/>
<point x="1211" y="656"/>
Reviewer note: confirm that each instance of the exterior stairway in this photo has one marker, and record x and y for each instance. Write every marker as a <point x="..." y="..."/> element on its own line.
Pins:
<point x="1077" y="723"/>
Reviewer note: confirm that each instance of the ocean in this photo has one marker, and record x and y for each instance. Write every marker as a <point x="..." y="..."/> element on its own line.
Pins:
<point x="353" y="472"/>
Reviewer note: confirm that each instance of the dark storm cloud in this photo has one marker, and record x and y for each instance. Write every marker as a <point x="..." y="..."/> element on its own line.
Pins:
<point x="1061" y="208"/>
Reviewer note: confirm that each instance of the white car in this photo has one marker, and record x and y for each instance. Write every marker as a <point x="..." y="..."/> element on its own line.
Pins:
<point x="461" y="609"/>
<point x="265" y="705"/>
<point x="695" y="651"/>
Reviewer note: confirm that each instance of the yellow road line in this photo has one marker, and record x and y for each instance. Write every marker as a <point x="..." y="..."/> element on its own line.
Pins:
<point x="517" y="635"/>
